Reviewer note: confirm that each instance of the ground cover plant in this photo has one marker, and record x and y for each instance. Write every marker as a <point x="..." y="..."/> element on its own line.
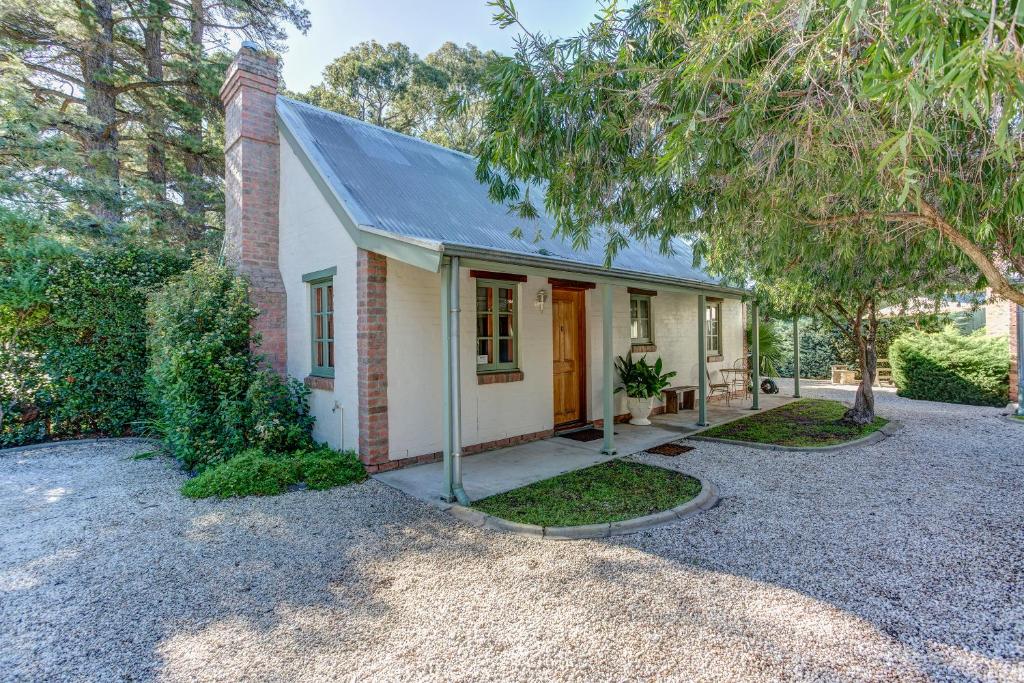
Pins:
<point x="255" y="473"/>
<point x="608" y="492"/>
<point x="807" y="422"/>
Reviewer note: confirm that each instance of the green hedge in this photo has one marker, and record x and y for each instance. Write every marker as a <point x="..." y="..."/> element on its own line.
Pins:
<point x="73" y="333"/>
<point x="946" y="366"/>
<point x="212" y="399"/>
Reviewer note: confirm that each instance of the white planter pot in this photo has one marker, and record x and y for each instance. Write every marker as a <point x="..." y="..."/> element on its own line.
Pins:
<point x="639" y="410"/>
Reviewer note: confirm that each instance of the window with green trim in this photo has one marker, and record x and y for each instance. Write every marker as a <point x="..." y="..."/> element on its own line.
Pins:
<point x="640" y="319"/>
<point x="322" y="310"/>
<point x="496" y="324"/>
<point x="713" y="329"/>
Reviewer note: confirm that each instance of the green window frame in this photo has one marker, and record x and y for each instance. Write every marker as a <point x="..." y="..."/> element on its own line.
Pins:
<point x="497" y="323"/>
<point x="321" y="309"/>
<point x="713" y="328"/>
<point x="641" y="321"/>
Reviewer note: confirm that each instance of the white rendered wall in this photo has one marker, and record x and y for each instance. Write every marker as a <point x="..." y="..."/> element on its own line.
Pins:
<point x="312" y="239"/>
<point x="496" y="411"/>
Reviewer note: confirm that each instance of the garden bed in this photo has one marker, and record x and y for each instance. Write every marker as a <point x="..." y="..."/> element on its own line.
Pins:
<point x="609" y="492"/>
<point x="807" y="422"/>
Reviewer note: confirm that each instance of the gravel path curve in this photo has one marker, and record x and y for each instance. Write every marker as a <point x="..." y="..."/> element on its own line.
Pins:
<point x="902" y="560"/>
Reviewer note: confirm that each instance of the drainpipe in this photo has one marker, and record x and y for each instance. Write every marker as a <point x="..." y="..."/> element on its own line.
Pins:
<point x="755" y="364"/>
<point x="1020" y="360"/>
<point x="796" y="356"/>
<point x="455" y="400"/>
<point x="702" y="361"/>
<point x="607" y="369"/>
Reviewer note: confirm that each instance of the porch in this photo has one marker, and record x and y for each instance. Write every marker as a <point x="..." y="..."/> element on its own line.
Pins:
<point x="504" y="469"/>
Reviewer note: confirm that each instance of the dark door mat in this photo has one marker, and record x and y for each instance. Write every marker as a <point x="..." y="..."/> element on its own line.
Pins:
<point x="589" y="434"/>
<point x="670" y="449"/>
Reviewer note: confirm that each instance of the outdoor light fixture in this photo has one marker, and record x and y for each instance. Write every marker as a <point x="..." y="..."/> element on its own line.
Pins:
<point x="542" y="297"/>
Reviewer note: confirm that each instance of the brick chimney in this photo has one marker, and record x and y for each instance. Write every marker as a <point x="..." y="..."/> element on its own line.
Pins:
<point x="251" y="187"/>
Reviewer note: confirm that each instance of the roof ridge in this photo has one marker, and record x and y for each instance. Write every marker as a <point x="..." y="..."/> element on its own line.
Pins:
<point x="346" y="117"/>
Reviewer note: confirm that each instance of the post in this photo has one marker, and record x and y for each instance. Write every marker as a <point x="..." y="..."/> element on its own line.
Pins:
<point x="607" y="370"/>
<point x="1020" y="360"/>
<point x="796" y="356"/>
<point x="454" y="378"/>
<point x="447" y="492"/>
<point x="702" y="361"/>
<point x="755" y="351"/>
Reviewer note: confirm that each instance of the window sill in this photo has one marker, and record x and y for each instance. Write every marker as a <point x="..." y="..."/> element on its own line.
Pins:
<point x="715" y="359"/>
<point x="321" y="383"/>
<point x="499" y="377"/>
<point x="643" y="348"/>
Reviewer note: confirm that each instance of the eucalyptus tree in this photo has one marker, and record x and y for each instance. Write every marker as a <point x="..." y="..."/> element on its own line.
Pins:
<point x="898" y="118"/>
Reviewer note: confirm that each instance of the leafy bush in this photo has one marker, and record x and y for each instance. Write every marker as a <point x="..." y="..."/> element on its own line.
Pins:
<point x="72" y="332"/>
<point x="946" y="366"/>
<point x="324" y="468"/>
<point x="640" y="380"/>
<point x="255" y="473"/>
<point x="212" y="399"/>
<point x="250" y="473"/>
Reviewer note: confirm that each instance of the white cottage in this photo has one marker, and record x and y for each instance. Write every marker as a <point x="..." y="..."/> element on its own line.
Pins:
<point x="399" y="293"/>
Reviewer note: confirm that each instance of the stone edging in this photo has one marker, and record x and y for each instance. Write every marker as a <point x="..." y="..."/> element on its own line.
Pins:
<point x="706" y="499"/>
<point x="76" y="442"/>
<point x="1013" y="420"/>
<point x="885" y="432"/>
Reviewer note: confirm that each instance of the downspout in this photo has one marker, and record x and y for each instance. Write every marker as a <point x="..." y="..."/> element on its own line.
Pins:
<point x="607" y="370"/>
<point x="702" y="361"/>
<point x="455" y="419"/>
<point x="755" y="327"/>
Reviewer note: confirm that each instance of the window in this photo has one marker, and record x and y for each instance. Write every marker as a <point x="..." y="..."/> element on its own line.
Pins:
<point x="321" y="291"/>
<point x="640" y="319"/>
<point x="495" y="326"/>
<point x="713" y="329"/>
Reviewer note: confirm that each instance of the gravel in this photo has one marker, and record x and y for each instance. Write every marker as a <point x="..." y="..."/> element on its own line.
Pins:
<point x="901" y="560"/>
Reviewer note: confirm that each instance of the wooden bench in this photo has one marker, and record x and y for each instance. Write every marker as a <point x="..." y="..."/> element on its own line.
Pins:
<point x="672" y="398"/>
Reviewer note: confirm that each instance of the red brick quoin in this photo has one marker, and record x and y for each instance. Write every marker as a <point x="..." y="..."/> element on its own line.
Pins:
<point x="251" y="187"/>
<point x="372" y="351"/>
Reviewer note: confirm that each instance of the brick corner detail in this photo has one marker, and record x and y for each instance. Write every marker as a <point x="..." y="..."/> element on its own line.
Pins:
<point x="372" y="350"/>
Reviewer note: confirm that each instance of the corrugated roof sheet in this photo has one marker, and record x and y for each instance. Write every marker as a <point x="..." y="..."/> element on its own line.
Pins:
<point x="415" y="189"/>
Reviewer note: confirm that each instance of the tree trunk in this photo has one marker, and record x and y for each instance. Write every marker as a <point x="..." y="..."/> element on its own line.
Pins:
<point x="156" y="160"/>
<point x="863" y="410"/>
<point x="194" y="203"/>
<point x="101" y="136"/>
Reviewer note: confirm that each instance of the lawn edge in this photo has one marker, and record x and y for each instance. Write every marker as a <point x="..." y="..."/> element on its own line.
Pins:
<point x="706" y="499"/>
<point x="1007" y="418"/>
<point x="883" y="432"/>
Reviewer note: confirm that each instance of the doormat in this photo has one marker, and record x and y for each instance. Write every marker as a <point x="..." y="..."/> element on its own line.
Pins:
<point x="670" y="449"/>
<point x="589" y="434"/>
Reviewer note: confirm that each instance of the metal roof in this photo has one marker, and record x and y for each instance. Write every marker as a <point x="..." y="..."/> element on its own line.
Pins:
<point x="420" y="192"/>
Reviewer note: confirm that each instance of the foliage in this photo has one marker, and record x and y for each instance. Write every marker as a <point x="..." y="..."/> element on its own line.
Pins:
<point x="439" y="98"/>
<point x="769" y="348"/>
<point x="256" y="473"/>
<point x="946" y="366"/>
<point x="324" y="468"/>
<point x="72" y="332"/>
<point x="211" y="397"/>
<point x="807" y="422"/>
<point x="250" y="473"/>
<point x="608" y="492"/>
<point x="641" y="380"/>
<point x="110" y="120"/>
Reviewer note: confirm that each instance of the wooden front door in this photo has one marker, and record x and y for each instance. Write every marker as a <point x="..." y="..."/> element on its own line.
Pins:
<point x="569" y="343"/>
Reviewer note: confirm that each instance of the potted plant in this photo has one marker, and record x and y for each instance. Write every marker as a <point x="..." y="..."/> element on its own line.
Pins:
<point x="642" y="383"/>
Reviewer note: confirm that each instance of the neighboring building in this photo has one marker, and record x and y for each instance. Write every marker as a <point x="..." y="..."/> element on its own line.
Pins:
<point x="349" y="234"/>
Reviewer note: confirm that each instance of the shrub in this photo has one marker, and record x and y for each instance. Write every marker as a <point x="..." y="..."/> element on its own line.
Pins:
<point x="73" y="332"/>
<point x="250" y="473"/>
<point x="946" y="366"/>
<point x="324" y="468"/>
<point x="212" y="399"/>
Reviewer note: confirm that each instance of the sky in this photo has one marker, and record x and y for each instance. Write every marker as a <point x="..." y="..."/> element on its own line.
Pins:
<point x="423" y="25"/>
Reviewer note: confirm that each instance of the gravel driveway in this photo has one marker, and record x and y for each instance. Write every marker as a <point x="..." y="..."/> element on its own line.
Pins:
<point x="902" y="560"/>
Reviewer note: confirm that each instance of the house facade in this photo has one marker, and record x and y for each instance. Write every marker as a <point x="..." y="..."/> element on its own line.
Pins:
<point x="427" y="320"/>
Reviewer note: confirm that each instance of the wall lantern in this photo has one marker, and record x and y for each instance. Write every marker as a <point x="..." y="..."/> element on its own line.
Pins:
<point x="539" y="301"/>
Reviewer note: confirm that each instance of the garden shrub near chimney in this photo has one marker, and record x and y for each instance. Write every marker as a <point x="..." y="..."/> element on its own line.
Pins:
<point x="947" y="366"/>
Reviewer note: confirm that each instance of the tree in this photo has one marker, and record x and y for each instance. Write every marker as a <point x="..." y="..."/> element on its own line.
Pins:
<point x="439" y="98"/>
<point x="900" y="118"/>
